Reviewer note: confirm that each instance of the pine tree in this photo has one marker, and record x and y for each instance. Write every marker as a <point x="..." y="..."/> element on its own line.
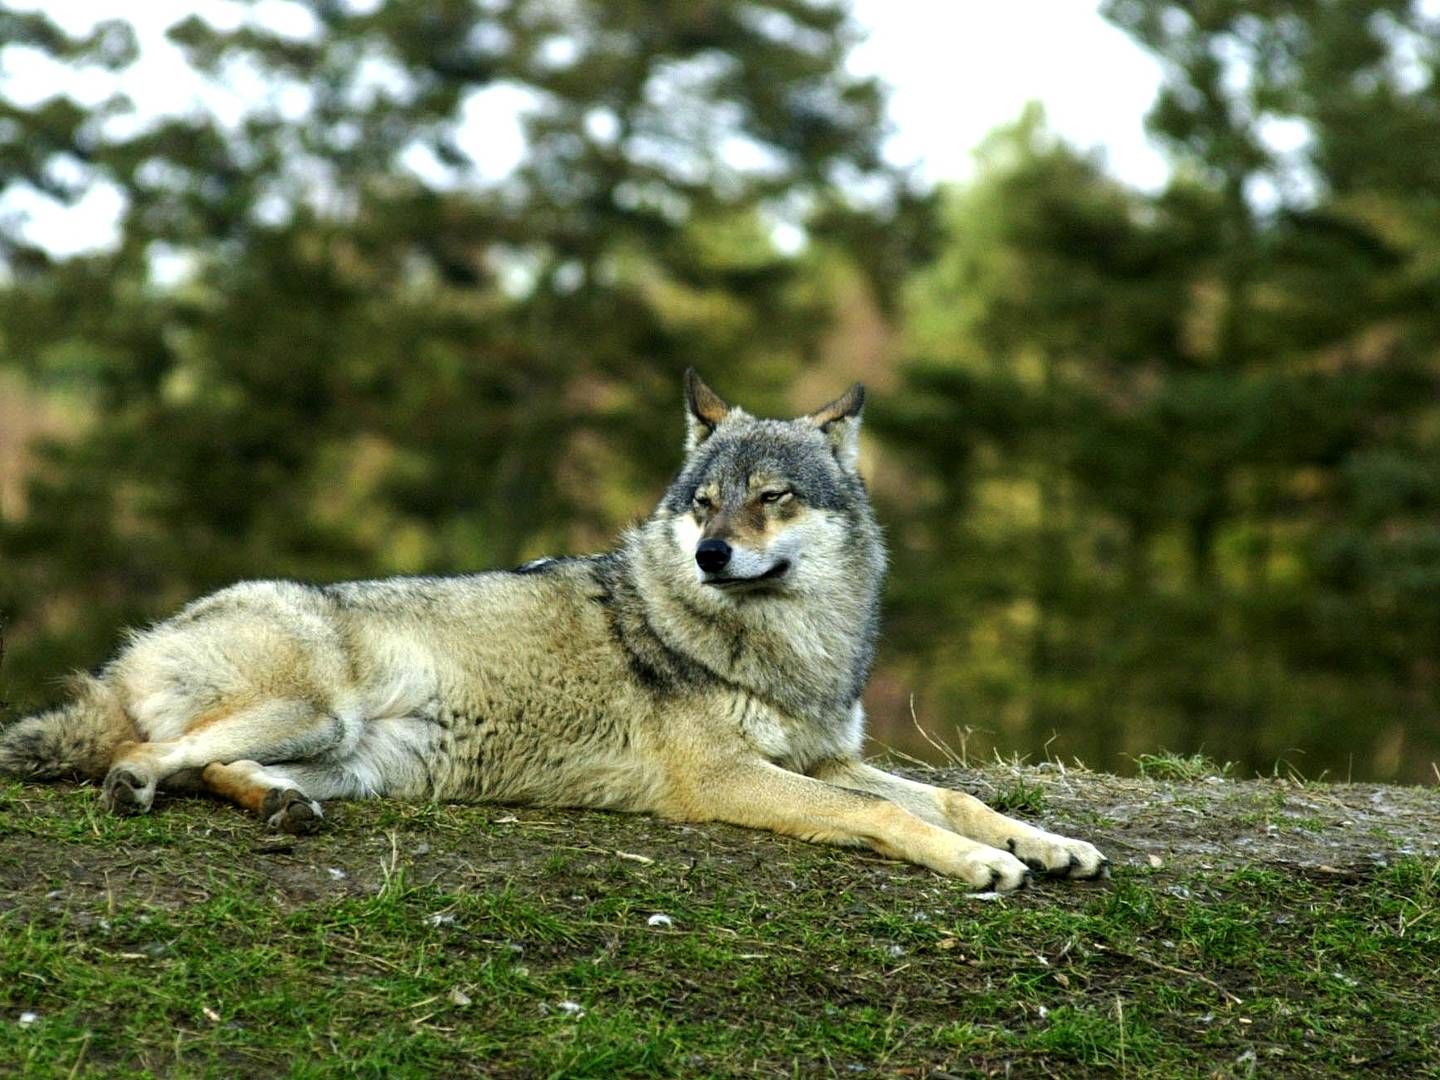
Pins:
<point x="379" y="355"/>
<point x="1190" y="502"/>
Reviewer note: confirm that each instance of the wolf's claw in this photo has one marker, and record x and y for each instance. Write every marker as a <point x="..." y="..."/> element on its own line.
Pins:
<point x="1058" y="856"/>
<point x="125" y="793"/>
<point x="291" y="811"/>
<point x="988" y="869"/>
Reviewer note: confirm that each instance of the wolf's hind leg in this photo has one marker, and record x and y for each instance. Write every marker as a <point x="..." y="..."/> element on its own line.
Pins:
<point x="967" y="815"/>
<point x="266" y="732"/>
<point x="266" y="792"/>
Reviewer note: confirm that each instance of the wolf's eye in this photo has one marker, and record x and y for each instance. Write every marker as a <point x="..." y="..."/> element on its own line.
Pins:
<point x="772" y="496"/>
<point x="702" y="502"/>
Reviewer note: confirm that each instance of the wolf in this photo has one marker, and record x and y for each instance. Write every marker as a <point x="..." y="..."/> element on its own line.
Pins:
<point x="707" y="669"/>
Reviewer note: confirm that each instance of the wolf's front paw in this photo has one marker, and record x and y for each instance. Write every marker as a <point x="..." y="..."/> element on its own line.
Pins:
<point x="291" y="811"/>
<point x="1059" y="856"/>
<point x="989" y="868"/>
<point x="126" y="792"/>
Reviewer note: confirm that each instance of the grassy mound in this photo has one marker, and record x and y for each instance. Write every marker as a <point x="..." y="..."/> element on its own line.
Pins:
<point x="1260" y="927"/>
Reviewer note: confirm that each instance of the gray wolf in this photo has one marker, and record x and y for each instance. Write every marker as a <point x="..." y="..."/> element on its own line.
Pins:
<point x="707" y="669"/>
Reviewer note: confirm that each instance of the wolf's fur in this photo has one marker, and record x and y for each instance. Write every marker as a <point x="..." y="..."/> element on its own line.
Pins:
<point x="632" y="680"/>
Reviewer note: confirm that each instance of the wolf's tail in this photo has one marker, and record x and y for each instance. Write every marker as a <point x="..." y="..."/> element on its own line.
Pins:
<point x="75" y="739"/>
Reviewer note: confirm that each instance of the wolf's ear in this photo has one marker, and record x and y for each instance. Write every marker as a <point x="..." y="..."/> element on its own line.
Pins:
<point x="704" y="409"/>
<point x="840" y="423"/>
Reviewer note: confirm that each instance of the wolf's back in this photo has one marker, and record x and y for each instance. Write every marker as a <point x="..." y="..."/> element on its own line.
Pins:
<point x="75" y="739"/>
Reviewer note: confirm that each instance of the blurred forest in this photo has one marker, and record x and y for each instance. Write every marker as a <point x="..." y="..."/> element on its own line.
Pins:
<point x="1158" y="470"/>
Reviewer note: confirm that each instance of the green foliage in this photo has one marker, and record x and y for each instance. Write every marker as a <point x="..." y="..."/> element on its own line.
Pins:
<point x="1162" y="469"/>
<point x="378" y="358"/>
<point x="1182" y="445"/>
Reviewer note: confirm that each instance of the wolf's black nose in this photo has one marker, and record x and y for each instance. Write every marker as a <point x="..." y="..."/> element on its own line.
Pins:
<point x="712" y="555"/>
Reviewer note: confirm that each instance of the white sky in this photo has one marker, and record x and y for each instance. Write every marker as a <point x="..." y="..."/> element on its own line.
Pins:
<point x="956" y="68"/>
<point x="960" y="68"/>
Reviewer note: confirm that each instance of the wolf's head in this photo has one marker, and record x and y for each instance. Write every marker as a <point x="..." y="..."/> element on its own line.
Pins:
<point x="764" y="507"/>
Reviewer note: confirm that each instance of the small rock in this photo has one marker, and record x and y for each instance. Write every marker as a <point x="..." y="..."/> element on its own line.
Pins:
<point x="336" y="873"/>
<point x="661" y="920"/>
<point x="28" y="1018"/>
<point x="459" y="997"/>
<point x="1156" y="861"/>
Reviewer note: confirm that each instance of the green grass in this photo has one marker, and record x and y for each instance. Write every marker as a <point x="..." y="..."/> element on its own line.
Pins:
<point x="1019" y="797"/>
<point x="186" y="944"/>
<point x="1168" y="765"/>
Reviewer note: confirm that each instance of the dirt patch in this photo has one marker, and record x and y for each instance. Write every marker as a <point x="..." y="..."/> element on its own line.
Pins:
<point x="1223" y="823"/>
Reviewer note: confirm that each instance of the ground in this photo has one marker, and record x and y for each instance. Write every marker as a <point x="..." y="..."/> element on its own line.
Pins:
<point x="1267" y="927"/>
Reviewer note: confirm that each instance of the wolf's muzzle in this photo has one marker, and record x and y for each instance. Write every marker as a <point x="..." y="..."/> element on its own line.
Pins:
<point x="712" y="555"/>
